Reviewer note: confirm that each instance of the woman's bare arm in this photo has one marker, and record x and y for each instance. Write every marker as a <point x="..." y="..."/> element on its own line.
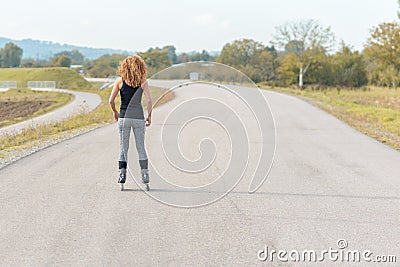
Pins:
<point x="149" y="103"/>
<point x="114" y="93"/>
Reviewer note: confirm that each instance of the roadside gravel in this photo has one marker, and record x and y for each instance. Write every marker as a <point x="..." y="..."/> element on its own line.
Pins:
<point x="11" y="155"/>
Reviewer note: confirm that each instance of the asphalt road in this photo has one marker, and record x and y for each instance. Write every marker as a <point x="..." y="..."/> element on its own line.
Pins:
<point x="82" y="102"/>
<point x="62" y="206"/>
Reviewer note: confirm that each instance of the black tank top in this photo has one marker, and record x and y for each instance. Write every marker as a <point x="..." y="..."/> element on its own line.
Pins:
<point x="131" y="102"/>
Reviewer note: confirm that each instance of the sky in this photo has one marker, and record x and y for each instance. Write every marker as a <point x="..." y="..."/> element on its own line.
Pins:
<point x="188" y="25"/>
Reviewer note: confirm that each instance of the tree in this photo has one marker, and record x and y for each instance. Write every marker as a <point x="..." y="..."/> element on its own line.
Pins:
<point x="303" y="39"/>
<point x="318" y="70"/>
<point x="103" y="66"/>
<point x="239" y="52"/>
<point x="264" y="62"/>
<point x="61" y="61"/>
<point x="288" y="68"/>
<point x="349" y="68"/>
<point x="251" y="57"/>
<point x="11" y="56"/>
<point x="156" y="60"/>
<point x="171" y="53"/>
<point x="382" y="51"/>
<point x="76" y="57"/>
<point x="390" y="77"/>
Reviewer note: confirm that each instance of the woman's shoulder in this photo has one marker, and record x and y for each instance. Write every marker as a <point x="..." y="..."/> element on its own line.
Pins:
<point x="119" y="81"/>
<point x="144" y="84"/>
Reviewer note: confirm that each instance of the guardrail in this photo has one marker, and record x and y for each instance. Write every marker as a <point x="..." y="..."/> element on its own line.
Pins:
<point x="103" y="83"/>
<point x="42" y="84"/>
<point x="6" y="85"/>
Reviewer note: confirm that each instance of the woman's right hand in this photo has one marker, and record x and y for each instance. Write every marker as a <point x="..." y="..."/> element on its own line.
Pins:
<point x="116" y="116"/>
<point x="148" y="121"/>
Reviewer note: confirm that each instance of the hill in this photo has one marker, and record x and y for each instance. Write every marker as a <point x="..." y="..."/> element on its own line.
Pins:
<point x="64" y="77"/>
<point x="35" y="49"/>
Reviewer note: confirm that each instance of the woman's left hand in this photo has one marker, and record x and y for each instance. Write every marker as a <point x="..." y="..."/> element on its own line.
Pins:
<point x="148" y="121"/>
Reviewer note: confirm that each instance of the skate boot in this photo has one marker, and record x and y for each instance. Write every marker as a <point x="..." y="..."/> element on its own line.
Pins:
<point x="146" y="178"/>
<point x="122" y="178"/>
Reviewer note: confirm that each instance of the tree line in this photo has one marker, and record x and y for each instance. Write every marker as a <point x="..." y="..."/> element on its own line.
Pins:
<point x="299" y="53"/>
<point x="104" y="66"/>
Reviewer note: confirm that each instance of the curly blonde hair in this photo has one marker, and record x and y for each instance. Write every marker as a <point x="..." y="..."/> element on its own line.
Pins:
<point x="133" y="71"/>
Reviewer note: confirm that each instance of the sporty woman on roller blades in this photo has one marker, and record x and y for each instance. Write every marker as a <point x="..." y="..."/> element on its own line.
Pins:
<point x="131" y="86"/>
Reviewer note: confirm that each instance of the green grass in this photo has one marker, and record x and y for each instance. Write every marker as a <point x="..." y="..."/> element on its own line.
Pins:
<point x="22" y="95"/>
<point x="374" y="111"/>
<point x="100" y="116"/>
<point x="64" y="77"/>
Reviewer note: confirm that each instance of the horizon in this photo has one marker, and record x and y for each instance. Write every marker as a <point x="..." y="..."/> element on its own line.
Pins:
<point x="203" y="28"/>
<point x="106" y="48"/>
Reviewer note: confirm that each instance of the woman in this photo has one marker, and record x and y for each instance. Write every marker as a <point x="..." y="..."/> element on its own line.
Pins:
<point x="131" y="86"/>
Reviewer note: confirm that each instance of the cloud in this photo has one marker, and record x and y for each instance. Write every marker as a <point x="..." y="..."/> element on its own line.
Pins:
<point x="213" y="21"/>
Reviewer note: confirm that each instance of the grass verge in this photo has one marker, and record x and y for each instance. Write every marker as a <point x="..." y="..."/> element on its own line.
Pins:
<point x="374" y="111"/>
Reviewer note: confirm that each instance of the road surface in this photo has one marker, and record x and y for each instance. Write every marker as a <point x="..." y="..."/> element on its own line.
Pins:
<point x="82" y="102"/>
<point x="61" y="206"/>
